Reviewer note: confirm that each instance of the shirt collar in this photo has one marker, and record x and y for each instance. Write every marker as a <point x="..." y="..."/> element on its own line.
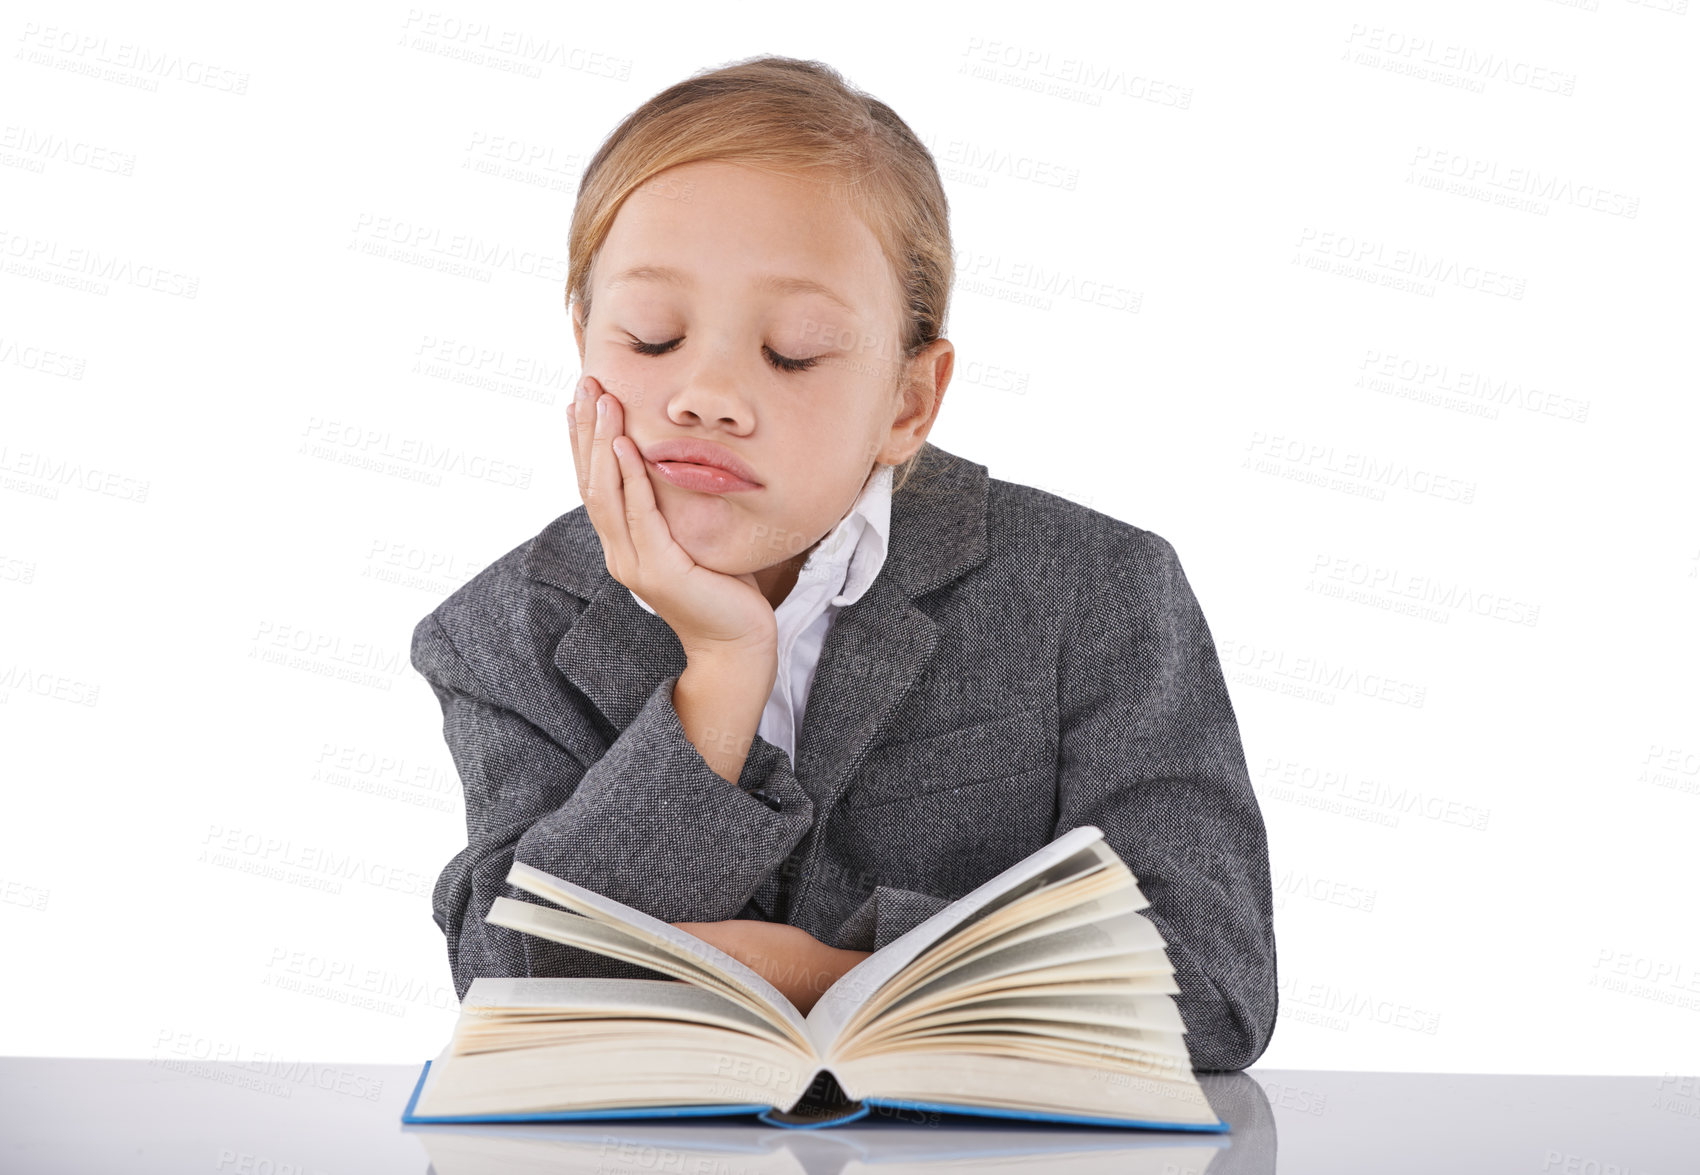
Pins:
<point x="854" y="551"/>
<point x="851" y="554"/>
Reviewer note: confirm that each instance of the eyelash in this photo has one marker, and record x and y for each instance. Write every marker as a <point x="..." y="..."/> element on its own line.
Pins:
<point x="775" y="359"/>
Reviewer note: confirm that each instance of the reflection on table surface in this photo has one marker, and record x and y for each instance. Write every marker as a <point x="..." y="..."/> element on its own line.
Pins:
<point x="299" y="1118"/>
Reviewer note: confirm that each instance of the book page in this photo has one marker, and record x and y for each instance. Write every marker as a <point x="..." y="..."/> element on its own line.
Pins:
<point x="1041" y="912"/>
<point x="642" y="1064"/>
<point x="607" y="938"/>
<point x="516" y="1011"/>
<point x="1129" y="937"/>
<point x="679" y="943"/>
<point x="1076" y="1003"/>
<point x="1157" y="1091"/>
<point x="1147" y="972"/>
<point x="857" y="985"/>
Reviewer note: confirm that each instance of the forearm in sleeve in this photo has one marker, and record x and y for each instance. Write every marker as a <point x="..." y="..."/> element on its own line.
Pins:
<point x="649" y="823"/>
<point x="1151" y="754"/>
<point x="888" y="913"/>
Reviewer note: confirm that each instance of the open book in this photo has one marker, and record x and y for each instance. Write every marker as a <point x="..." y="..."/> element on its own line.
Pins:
<point x="1041" y="994"/>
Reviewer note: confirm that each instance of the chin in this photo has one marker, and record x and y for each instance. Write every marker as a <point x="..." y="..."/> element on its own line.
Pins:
<point x="719" y="538"/>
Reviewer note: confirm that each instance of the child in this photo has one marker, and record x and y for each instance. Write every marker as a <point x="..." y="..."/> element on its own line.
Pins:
<point x="792" y="677"/>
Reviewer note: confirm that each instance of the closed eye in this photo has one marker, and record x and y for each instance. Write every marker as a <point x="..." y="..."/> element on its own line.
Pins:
<point x="774" y="358"/>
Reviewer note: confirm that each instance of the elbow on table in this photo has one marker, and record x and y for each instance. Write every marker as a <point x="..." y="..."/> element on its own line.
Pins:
<point x="1229" y="1028"/>
<point x="1227" y="1047"/>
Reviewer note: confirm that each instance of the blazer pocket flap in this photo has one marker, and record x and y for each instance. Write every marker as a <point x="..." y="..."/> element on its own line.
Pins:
<point x="994" y="749"/>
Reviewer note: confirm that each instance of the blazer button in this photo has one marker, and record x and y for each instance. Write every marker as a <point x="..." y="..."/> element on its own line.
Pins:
<point x="761" y="793"/>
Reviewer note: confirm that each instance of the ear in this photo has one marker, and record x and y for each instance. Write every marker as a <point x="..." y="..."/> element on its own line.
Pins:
<point x="924" y="381"/>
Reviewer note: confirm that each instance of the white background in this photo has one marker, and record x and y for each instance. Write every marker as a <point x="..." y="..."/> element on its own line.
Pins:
<point x="1382" y="314"/>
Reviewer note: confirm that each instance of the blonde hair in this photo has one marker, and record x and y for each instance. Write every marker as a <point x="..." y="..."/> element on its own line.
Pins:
<point x="792" y="117"/>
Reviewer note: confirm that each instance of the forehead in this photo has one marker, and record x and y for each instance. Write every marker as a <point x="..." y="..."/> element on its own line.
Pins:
<point x="725" y="228"/>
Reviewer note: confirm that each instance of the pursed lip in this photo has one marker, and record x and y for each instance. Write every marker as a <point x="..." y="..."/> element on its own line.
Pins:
<point x="700" y="453"/>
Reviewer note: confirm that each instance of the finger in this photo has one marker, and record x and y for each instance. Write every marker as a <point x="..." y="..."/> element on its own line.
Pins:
<point x="572" y="438"/>
<point x="645" y="523"/>
<point x="584" y="432"/>
<point x="581" y="421"/>
<point x="606" y="489"/>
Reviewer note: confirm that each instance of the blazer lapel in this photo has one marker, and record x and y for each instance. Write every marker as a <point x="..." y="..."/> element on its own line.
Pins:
<point x="615" y="652"/>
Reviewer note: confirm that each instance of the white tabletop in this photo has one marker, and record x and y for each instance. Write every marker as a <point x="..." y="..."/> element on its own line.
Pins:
<point x="275" y="1118"/>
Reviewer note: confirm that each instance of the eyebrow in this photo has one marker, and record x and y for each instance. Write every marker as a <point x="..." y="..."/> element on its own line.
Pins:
<point x="778" y="283"/>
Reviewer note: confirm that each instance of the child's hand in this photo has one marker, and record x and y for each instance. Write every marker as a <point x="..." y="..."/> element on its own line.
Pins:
<point x="708" y="610"/>
<point x="800" y="965"/>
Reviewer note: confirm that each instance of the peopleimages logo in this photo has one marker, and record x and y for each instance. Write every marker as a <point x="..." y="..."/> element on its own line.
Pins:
<point x="97" y="55"/>
<point x="1379" y="258"/>
<point x="196" y="1055"/>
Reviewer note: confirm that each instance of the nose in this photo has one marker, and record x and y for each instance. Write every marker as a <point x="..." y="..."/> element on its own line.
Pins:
<point x="712" y="393"/>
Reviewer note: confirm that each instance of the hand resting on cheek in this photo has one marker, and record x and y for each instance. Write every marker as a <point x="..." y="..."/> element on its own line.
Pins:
<point x="708" y="610"/>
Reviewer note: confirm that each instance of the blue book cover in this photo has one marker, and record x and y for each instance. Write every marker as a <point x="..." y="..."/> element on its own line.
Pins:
<point x="809" y="1115"/>
<point x="908" y="1141"/>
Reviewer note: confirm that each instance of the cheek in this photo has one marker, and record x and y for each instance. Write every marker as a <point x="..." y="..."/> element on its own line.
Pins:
<point x="621" y="373"/>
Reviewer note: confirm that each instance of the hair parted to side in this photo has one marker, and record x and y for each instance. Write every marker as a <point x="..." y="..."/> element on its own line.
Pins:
<point x="793" y="117"/>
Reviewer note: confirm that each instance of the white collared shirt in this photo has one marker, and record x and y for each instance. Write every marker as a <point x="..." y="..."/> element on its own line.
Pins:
<point x="836" y="574"/>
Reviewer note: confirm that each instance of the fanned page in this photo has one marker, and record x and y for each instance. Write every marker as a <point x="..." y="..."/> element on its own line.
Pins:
<point x="702" y="959"/>
<point x="856" y="986"/>
<point x="514" y="1012"/>
<point x="619" y="942"/>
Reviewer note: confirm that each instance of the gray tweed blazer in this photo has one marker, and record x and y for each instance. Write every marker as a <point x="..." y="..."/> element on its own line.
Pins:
<point x="1022" y="665"/>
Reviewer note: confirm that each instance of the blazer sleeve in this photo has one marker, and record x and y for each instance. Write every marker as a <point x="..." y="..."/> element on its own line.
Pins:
<point x="888" y="913"/>
<point x="648" y="823"/>
<point x="1150" y="752"/>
